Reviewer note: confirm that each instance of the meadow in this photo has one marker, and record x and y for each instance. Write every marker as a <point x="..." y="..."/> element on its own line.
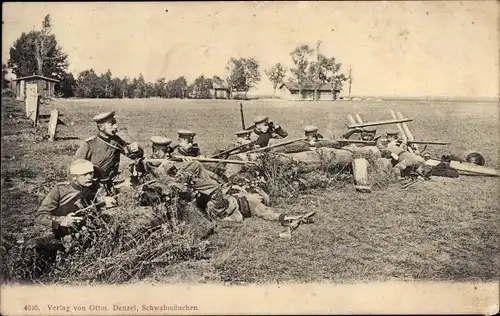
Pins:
<point x="441" y="230"/>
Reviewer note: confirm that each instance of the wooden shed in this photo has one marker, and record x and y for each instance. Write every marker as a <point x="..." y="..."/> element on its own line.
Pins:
<point x="45" y="86"/>
<point x="290" y="91"/>
<point x="219" y="91"/>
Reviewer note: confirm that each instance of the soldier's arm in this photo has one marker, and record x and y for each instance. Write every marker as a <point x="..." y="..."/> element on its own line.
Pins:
<point x="83" y="151"/>
<point x="278" y="130"/>
<point x="44" y="215"/>
<point x="350" y="133"/>
<point x="126" y="150"/>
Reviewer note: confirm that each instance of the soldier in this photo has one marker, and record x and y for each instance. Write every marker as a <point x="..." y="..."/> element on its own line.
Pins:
<point x="240" y="204"/>
<point x="406" y="162"/>
<point x="243" y="137"/>
<point x="186" y="146"/>
<point x="265" y="130"/>
<point x="312" y="135"/>
<point x="57" y="211"/>
<point x="202" y="179"/>
<point x="104" y="149"/>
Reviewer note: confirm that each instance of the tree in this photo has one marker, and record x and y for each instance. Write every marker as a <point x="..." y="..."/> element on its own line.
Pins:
<point x="201" y="87"/>
<point x="4" y="76"/>
<point x="67" y="86"/>
<point x="106" y="83"/>
<point x="276" y="74"/>
<point x="242" y="74"/>
<point x="88" y="85"/>
<point x="38" y="52"/>
<point x="300" y="57"/>
<point x="160" y="88"/>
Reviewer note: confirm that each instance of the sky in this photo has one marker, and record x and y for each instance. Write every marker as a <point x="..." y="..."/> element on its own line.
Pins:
<point x="403" y="48"/>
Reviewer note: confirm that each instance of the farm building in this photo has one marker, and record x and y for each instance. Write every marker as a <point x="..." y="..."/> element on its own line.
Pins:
<point x="290" y="91"/>
<point x="45" y="86"/>
<point x="219" y="91"/>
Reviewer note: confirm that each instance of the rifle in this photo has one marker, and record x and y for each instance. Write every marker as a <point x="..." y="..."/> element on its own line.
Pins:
<point x="237" y="162"/>
<point x="409" y="142"/>
<point x="231" y="150"/>
<point x="356" y="141"/>
<point x="278" y="145"/>
<point x="293" y="224"/>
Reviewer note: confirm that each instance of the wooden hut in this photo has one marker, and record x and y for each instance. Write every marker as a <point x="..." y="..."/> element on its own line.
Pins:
<point x="45" y="86"/>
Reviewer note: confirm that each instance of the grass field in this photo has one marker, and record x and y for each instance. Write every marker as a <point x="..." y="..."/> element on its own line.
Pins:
<point x="443" y="229"/>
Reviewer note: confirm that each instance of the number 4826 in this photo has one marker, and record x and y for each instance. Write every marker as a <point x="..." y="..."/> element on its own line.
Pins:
<point x="31" y="307"/>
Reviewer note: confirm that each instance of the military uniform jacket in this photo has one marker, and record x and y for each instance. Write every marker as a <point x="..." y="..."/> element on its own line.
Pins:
<point x="180" y="152"/>
<point x="64" y="198"/>
<point x="104" y="153"/>
<point x="262" y="139"/>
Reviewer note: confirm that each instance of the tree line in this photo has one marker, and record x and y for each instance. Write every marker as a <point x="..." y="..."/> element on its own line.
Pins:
<point x="38" y="52"/>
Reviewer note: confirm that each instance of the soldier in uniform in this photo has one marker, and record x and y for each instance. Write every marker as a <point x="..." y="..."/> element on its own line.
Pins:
<point x="405" y="162"/>
<point x="243" y="137"/>
<point x="238" y="205"/>
<point x="203" y="182"/>
<point x="264" y="131"/>
<point x="186" y="146"/>
<point x="57" y="210"/>
<point x="104" y="149"/>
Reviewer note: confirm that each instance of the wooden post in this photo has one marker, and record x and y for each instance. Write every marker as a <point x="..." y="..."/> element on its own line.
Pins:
<point x="32" y="103"/>
<point x="400" y="128"/>
<point x="378" y="123"/>
<point x="351" y="120"/>
<point x="407" y="131"/>
<point x="360" y="170"/>
<point x="358" y="118"/>
<point x="242" y="116"/>
<point x="54" y="116"/>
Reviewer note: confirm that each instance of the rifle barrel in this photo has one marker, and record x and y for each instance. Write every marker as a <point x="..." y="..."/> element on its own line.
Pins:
<point x="427" y="142"/>
<point x="356" y="141"/>
<point x="238" y="162"/>
<point x="278" y="145"/>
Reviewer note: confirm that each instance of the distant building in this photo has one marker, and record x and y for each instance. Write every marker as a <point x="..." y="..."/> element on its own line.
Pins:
<point x="45" y="86"/>
<point x="219" y="91"/>
<point x="290" y="91"/>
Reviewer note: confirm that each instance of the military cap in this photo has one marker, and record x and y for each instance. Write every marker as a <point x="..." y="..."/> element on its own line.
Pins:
<point x="243" y="132"/>
<point x="103" y="117"/>
<point x="310" y="129"/>
<point x="81" y="166"/>
<point x="426" y="155"/>
<point x="370" y="129"/>
<point x="160" y="140"/>
<point x="392" y="133"/>
<point x="185" y="133"/>
<point x="260" y="119"/>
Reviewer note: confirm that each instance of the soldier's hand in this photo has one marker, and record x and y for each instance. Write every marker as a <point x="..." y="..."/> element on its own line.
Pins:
<point x="70" y="219"/>
<point x="133" y="147"/>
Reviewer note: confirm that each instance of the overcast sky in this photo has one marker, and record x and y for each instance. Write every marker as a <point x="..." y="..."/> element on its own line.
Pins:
<point x="395" y="48"/>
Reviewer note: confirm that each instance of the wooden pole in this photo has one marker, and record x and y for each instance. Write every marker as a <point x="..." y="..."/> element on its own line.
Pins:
<point x="378" y="123"/>
<point x="407" y="130"/>
<point x="400" y="128"/>
<point x="351" y="120"/>
<point x="358" y="118"/>
<point x="242" y="116"/>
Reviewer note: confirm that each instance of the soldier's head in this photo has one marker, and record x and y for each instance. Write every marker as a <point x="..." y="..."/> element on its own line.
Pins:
<point x="186" y="139"/>
<point x="261" y="124"/>
<point x="106" y="123"/>
<point x="244" y="134"/>
<point x="368" y="133"/>
<point x="311" y="133"/>
<point x="82" y="172"/>
<point x="392" y="135"/>
<point x="446" y="160"/>
<point x="160" y="146"/>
